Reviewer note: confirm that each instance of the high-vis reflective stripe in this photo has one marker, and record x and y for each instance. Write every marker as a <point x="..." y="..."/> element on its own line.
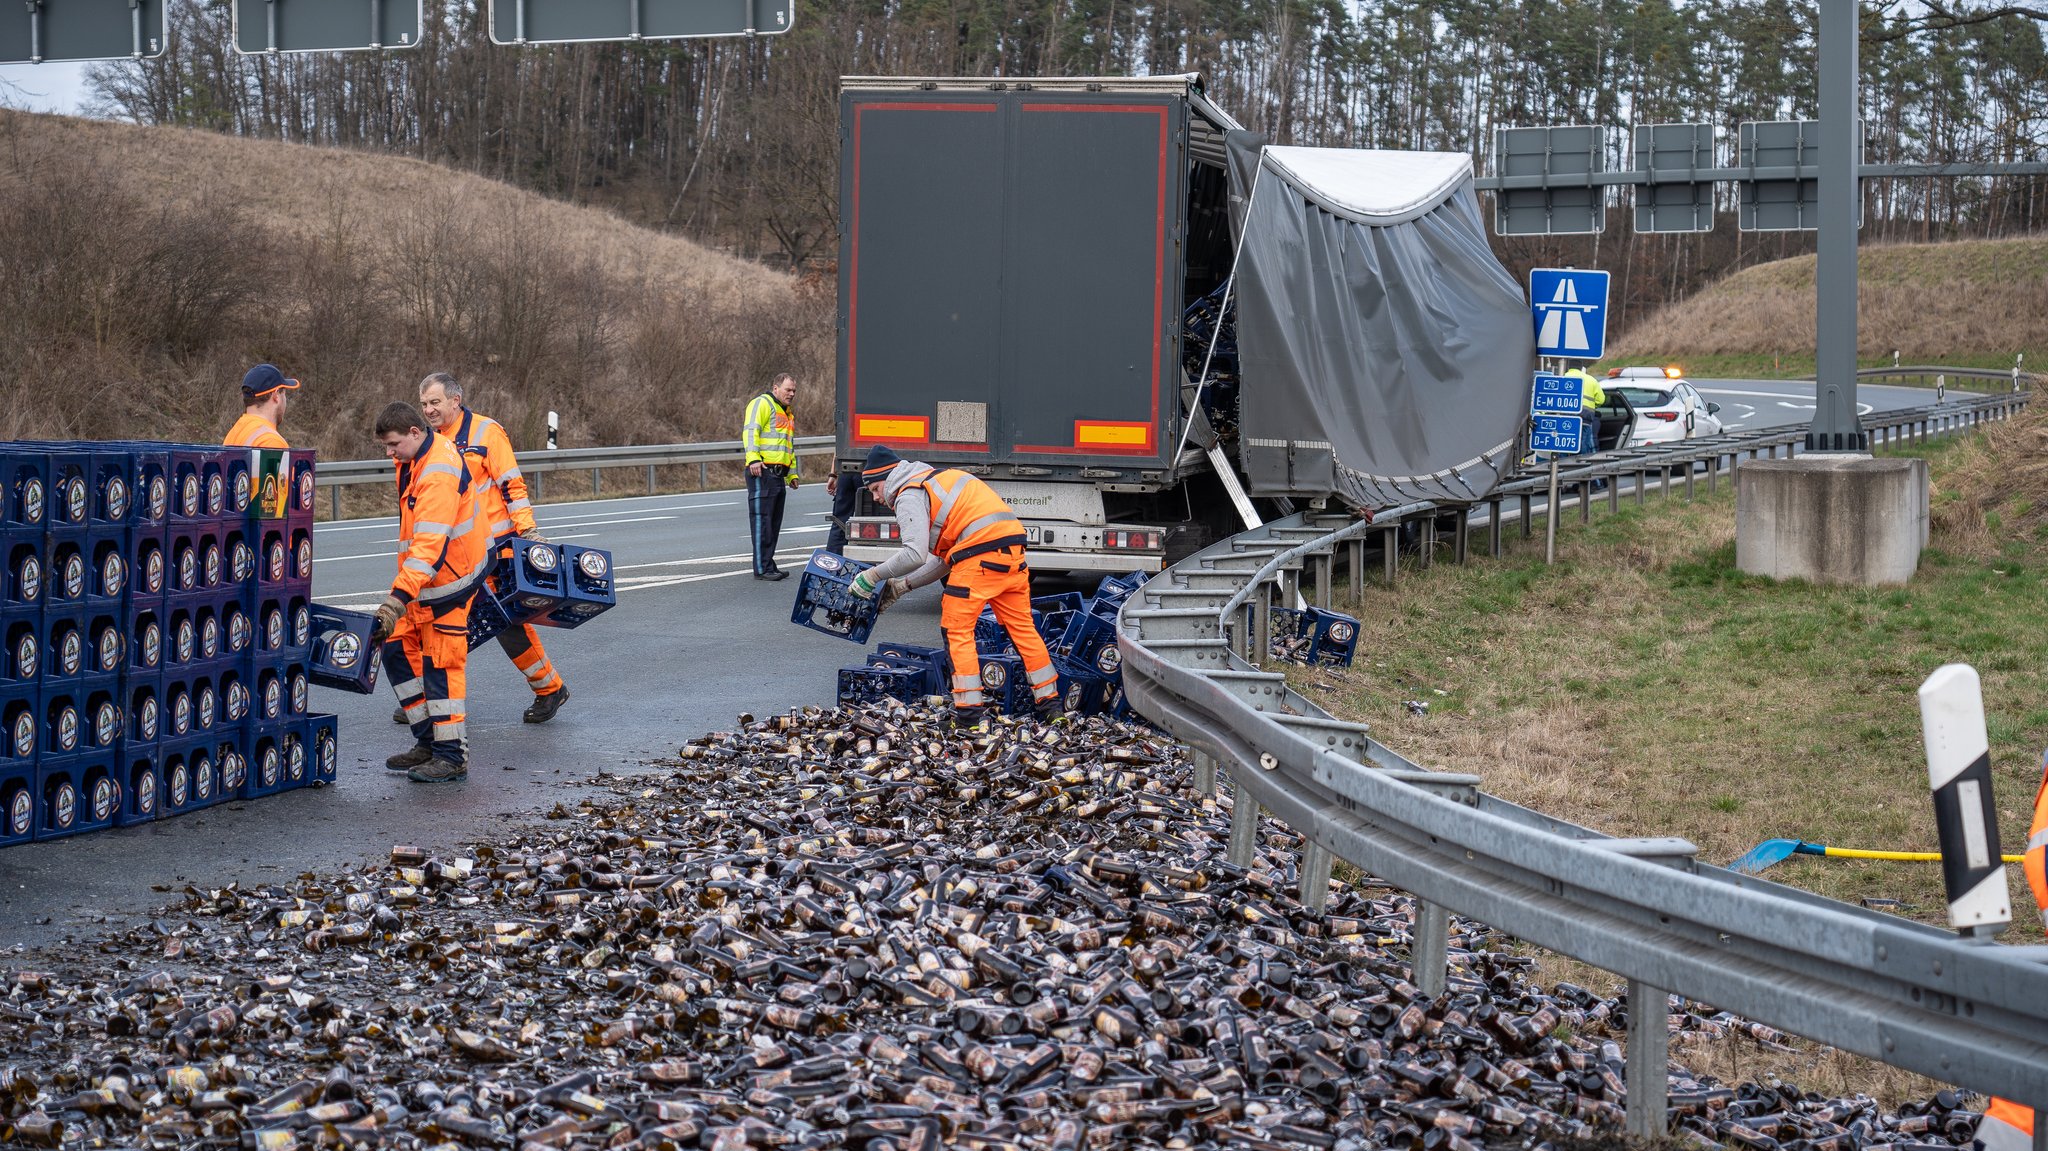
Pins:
<point x="1044" y="675"/>
<point x="444" y="707"/>
<point x="510" y="474"/>
<point x="521" y="504"/>
<point x="769" y="432"/>
<point x="421" y="566"/>
<point x="965" y="698"/>
<point x="450" y="730"/>
<point x="2040" y="839"/>
<point x="436" y="528"/>
<point x="444" y="548"/>
<point x="978" y="526"/>
<point x="2006" y="1126"/>
<point x="417" y="713"/>
<point x="409" y="689"/>
<point x="442" y="593"/>
<point x="441" y="470"/>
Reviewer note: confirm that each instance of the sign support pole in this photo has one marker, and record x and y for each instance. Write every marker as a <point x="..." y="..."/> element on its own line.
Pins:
<point x="1836" y="425"/>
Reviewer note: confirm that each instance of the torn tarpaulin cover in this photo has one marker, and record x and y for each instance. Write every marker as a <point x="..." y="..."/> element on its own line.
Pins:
<point x="1385" y="353"/>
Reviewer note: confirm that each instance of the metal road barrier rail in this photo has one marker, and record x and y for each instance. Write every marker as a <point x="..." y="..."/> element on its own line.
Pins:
<point x="1649" y="909"/>
<point x="337" y="474"/>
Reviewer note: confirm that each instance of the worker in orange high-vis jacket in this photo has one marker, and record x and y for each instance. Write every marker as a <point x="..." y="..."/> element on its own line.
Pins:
<point x="264" y="392"/>
<point x="956" y="528"/>
<point x="502" y="502"/>
<point x="2007" y="1126"/>
<point x="443" y="555"/>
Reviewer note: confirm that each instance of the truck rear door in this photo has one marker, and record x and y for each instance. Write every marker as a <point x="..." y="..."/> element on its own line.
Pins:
<point x="1010" y="283"/>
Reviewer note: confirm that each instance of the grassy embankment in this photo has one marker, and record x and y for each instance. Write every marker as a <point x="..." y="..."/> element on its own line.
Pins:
<point x="1972" y="304"/>
<point x="142" y="270"/>
<point x="1645" y="686"/>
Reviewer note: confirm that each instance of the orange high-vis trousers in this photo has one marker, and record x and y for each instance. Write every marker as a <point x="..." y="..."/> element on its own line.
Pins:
<point x="1000" y="580"/>
<point x="427" y="661"/>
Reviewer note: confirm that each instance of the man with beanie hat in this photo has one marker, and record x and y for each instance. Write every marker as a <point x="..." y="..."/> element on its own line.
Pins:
<point x="263" y="402"/>
<point x="956" y="528"/>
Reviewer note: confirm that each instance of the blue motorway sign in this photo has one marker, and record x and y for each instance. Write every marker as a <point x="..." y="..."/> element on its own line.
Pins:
<point x="1561" y="435"/>
<point x="1556" y="394"/>
<point x="1570" y="312"/>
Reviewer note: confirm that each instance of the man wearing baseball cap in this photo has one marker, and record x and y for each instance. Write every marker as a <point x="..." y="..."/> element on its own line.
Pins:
<point x="263" y="403"/>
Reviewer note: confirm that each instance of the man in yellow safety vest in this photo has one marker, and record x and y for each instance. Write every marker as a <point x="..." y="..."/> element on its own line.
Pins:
<point x="769" y="434"/>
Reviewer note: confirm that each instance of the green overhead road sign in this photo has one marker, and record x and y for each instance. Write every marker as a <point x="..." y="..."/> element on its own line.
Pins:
<point x="262" y="26"/>
<point x="46" y="31"/>
<point x="567" y="21"/>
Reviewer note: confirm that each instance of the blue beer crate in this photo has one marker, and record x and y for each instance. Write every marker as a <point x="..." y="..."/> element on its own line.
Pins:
<point x="932" y="677"/>
<point x="147" y="637"/>
<point x="213" y="559"/>
<point x="66" y="568"/>
<point x="323" y="732"/>
<point x="104" y="720"/>
<point x="213" y="617"/>
<point x="343" y="656"/>
<point x="283" y="628"/>
<point x="204" y="686"/>
<point x="1090" y="641"/>
<point x="1114" y="590"/>
<point x="303" y="501"/>
<point x="63" y="645"/>
<point x="22" y="584"/>
<point x="181" y="633"/>
<point x="299" y="564"/>
<point x="113" y="486"/>
<point x="937" y="662"/>
<point x="24" y="489"/>
<point x="17" y="803"/>
<point x="181" y="548"/>
<point x="191" y="779"/>
<point x="1332" y="636"/>
<point x="825" y="601"/>
<point x="235" y="683"/>
<point x="149" y="562"/>
<point x="273" y="554"/>
<point x="175" y="694"/>
<point x="238" y="542"/>
<point x="268" y="748"/>
<point x="992" y="638"/>
<point x="299" y="754"/>
<point x="21" y="725"/>
<point x="1083" y="691"/>
<point x="1003" y="685"/>
<point x="530" y="580"/>
<point x="152" y="478"/>
<point x="62" y="733"/>
<point x="591" y="591"/>
<point x="75" y="794"/>
<point x="71" y="496"/>
<point x="21" y="657"/>
<point x="487" y="618"/>
<point x="231" y="761"/>
<point x="188" y="469"/>
<point x="877" y="682"/>
<point x="238" y="478"/>
<point x="106" y="641"/>
<point x="145" y="712"/>
<point x="238" y="625"/>
<point x="214" y="485"/>
<point x="142" y="784"/>
<point x="109" y="574"/>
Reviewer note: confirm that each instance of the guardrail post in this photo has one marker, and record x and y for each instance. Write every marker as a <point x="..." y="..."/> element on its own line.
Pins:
<point x="1649" y="1061"/>
<point x="1390" y="552"/>
<point x="336" y="502"/>
<point x="650" y="479"/>
<point x="1688" y="477"/>
<point x="1528" y="528"/>
<point x="1323" y="565"/>
<point x="1429" y="950"/>
<point x="1461" y="545"/>
<point x="1586" y="499"/>
<point x="1244" y="828"/>
<point x="1205" y="773"/>
<point x="535" y="487"/>
<point x="1713" y="473"/>
<point x="596" y="484"/>
<point x="1614" y="493"/>
<point x="1357" y="572"/>
<point x="1262" y="626"/>
<point x="1428" y="553"/>
<point x="1642" y="482"/>
<point x="1314" y="886"/>
<point x="703" y="477"/>
<point x="1493" y="528"/>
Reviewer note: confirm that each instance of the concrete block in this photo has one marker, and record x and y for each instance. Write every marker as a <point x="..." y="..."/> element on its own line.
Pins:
<point x="1831" y="518"/>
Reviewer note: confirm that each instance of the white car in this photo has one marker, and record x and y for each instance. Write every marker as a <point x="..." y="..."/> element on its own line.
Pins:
<point x="1668" y="408"/>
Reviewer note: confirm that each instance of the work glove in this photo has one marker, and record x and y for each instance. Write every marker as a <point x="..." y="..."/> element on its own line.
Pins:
<point x="891" y="592"/>
<point x="863" y="586"/>
<point x="387" y="619"/>
<point x="533" y="534"/>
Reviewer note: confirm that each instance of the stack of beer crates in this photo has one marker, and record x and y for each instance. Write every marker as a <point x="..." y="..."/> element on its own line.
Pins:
<point x="157" y="615"/>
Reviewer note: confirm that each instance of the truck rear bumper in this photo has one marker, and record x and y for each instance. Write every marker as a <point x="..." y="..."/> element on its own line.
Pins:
<point x="1112" y="562"/>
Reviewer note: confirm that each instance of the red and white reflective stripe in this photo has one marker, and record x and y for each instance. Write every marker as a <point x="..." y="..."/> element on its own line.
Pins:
<point x="1994" y="1133"/>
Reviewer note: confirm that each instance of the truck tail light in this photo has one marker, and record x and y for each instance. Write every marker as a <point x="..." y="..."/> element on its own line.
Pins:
<point x="1131" y="541"/>
<point x="877" y="530"/>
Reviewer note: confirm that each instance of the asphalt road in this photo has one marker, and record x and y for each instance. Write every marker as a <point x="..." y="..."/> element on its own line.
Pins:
<point x="693" y="642"/>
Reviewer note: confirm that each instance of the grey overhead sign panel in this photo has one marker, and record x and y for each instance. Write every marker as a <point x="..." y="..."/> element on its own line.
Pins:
<point x="1553" y="154"/>
<point x="1785" y="205"/>
<point x="40" y="31"/>
<point x="1674" y="198"/>
<point x="568" y="21"/>
<point x="325" y="25"/>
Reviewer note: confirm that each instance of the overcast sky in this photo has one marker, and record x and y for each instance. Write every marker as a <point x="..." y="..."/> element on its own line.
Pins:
<point x="43" y="87"/>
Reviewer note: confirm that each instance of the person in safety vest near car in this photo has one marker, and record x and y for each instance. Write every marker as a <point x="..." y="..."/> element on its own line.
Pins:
<point x="264" y="391"/>
<point x="768" y="432"/>
<point x="1591" y="397"/>
<point x="956" y="528"/>
<point x="502" y="502"/>
<point x="423" y="625"/>
<point x="2007" y="1126"/>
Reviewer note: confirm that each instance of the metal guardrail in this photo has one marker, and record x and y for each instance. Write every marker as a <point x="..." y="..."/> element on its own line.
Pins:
<point x="337" y="474"/>
<point x="1904" y="993"/>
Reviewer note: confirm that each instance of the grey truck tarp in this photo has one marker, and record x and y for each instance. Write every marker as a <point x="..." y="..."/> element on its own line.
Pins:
<point x="1385" y="354"/>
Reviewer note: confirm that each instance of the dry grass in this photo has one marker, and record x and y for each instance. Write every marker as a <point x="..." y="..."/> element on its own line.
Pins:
<point x="153" y="265"/>
<point x="1973" y="302"/>
<point x="1994" y="486"/>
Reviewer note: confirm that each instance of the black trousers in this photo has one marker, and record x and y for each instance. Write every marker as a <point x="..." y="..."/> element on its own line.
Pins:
<point x="842" y="512"/>
<point x="766" y="495"/>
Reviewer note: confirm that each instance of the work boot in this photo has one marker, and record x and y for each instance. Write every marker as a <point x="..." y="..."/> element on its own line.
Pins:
<point x="418" y="754"/>
<point x="398" y="715"/>
<point x="1051" y="710"/>
<point x="965" y="719"/>
<point x="544" y="707"/>
<point x="438" y="770"/>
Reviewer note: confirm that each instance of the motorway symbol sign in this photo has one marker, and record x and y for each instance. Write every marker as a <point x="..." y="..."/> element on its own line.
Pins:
<point x="1560" y="435"/>
<point x="262" y="26"/>
<point x="45" y="31"/>
<point x="1556" y="394"/>
<point x="1570" y="309"/>
<point x="568" y="21"/>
